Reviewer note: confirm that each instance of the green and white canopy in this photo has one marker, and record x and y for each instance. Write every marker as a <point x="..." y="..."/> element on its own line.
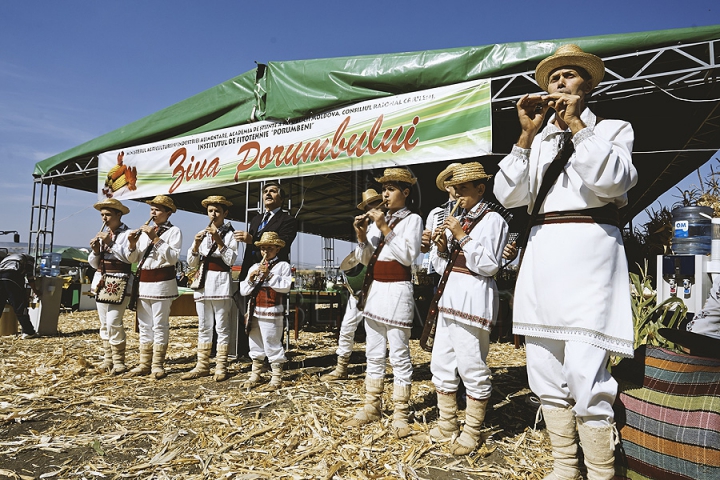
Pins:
<point x="459" y="103"/>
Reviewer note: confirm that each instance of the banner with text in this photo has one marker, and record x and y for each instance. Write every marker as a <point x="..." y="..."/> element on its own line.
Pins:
<point x="438" y="124"/>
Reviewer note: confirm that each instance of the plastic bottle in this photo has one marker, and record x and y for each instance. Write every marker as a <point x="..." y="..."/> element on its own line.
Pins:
<point x="50" y="264"/>
<point x="692" y="230"/>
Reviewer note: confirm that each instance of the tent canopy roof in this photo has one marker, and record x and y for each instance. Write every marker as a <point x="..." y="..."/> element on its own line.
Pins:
<point x="71" y="256"/>
<point x="665" y="83"/>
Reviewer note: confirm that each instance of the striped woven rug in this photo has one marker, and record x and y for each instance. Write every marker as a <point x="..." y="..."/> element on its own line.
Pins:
<point x="670" y="427"/>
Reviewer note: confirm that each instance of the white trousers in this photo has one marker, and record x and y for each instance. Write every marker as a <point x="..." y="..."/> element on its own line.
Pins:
<point x="379" y="335"/>
<point x="266" y="340"/>
<point x="460" y="352"/>
<point x="111" y="321"/>
<point x="154" y="320"/>
<point x="349" y="325"/>
<point x="214" y="314"/>
<point x="572" y="374"/>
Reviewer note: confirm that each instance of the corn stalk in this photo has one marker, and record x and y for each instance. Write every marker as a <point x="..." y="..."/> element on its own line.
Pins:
<point x="705" y="195"/>
<point x="649" y="316"/>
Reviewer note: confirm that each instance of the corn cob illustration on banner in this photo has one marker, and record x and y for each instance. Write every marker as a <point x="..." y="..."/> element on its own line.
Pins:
<point x="119" y="176"/>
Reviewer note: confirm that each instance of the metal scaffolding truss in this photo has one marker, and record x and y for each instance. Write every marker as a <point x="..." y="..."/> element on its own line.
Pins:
<point x="42" y="218"/>
<point x="44" y="198"/>
<point x="328" y="256"/>
<point x="638" y="73"/>
<point x="71" y="171"/>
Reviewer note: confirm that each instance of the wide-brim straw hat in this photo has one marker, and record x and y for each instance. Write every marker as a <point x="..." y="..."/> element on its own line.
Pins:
<point x="270" y="238"/>
<point x="369" y="196"/>
<point x="467" y="172"/>
<point x="354" y="272"/>
<point x="112" y="203"/>
<point x="570" y="56"/>
<point x="442" y="176"/>
<point x="216" y="200"/>
<point x="397" y="175"/>
<point x="349" y="262"/>
<point x="163" y="201"/>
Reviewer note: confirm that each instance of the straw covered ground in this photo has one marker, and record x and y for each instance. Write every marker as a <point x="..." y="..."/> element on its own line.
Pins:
<point x="61" y="418"/>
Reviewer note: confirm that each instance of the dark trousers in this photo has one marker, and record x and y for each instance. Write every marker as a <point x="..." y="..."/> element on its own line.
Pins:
<point x="242" y="339"/>
<point x="14" y="294"/>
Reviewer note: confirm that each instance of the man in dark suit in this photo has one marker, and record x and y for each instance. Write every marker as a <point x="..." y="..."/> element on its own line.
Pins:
<point x="274" y="219"/>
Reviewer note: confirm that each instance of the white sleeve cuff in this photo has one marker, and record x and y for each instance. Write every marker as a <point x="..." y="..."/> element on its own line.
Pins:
<point x="582" y="135"/>
<point x="523" y="153"/>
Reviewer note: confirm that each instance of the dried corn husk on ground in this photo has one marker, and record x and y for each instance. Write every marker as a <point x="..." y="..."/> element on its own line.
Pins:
<point x="61" y="418"/>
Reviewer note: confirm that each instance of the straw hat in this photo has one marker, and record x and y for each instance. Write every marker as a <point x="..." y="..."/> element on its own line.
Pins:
<point x="112" y="203"/>
<point x="467" y="172"/>
<point x="397" y="175"/>
<point x="369" y="196"/>
<point x="354" y="272"/>
<point x="442" y="176"/>
<point x="270" y="238"/>
<point x="163" y="201"/>
<point x="349" y="262"/>
<point x="216" y="200"/>
<point x="570" y="56"/>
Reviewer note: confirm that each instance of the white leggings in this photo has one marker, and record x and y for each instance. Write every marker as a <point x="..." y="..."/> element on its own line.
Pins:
<point x="459" y="352"/>
<point x="111" y="321"/>
<point x="214" y="314"/>
<point x="572" y="374"/>
<point x="379" y="335"/>
<point x="266" y="339"/>
<point x="154" y="320"/>
<point x="349" y="325"/>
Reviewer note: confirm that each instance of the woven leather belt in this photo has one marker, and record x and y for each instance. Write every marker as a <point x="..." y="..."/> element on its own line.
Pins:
<point x="460" y="265"/>
<point x="607" y="215"/>
<point x="391" y="271"/>
<point x="157" y="275"/>
<point x="217" y="265"/>
<point x="116" y="266"/>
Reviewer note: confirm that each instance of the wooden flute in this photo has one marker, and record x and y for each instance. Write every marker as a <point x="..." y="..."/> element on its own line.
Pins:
<point x="138" y="232"/>
<point x="383" y="207"/>
<point x="96" y="239"/>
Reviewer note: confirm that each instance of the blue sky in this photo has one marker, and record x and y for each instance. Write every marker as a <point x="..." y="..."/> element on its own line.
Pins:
<point x="73" y="70"/>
